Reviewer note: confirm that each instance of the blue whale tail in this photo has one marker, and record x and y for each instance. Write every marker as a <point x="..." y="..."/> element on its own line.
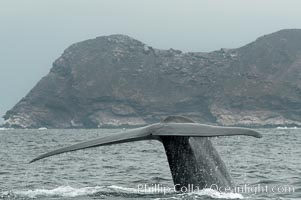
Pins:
<point x="192" y="158"/>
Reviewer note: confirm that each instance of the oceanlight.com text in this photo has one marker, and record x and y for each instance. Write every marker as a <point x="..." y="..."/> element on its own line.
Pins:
<point x="242" y="189"/>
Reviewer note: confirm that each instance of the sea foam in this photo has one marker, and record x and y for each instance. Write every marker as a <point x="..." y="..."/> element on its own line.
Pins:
<point x="68" y="191"/>
<point x="62" y="191"/>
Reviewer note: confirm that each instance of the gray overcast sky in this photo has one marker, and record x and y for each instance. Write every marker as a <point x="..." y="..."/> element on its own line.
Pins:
<point x="33" y="33"/>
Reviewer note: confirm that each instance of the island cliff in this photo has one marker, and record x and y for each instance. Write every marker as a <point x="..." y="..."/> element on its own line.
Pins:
<point x="116" y="80"/>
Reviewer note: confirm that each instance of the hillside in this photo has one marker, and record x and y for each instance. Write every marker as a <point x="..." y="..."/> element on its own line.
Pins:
<point x="116" y="80"/>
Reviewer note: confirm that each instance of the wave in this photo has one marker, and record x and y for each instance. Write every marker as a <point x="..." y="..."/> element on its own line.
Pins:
<point x="68" y="191"/>
<point x="214" y="194"/>
<point x="285" y="127"/>
<point x="5" y="129"/>
<point x="62" y="191"/>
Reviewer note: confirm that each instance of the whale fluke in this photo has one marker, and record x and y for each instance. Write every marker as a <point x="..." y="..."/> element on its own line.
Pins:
<point x="122" y="137"/>
<point x="191" y="156"/>
<point x="171" y="128"/>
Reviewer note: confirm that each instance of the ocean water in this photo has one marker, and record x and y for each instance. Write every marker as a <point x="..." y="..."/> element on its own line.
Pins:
<point x="265" y="168"/>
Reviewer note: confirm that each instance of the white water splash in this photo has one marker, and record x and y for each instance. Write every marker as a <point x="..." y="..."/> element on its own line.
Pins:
<point x="123" y="189"/>
<point x="63" y="191"/>
<point x="219" y="195"/>
<point x="206" y="192"/>
<point x="68" y="191"/>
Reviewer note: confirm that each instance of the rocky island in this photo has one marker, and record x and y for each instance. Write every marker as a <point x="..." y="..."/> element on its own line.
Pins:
<point x="115" y="80"/>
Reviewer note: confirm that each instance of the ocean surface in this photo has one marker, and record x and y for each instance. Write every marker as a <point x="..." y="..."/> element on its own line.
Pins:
<point x="265" y="168"/>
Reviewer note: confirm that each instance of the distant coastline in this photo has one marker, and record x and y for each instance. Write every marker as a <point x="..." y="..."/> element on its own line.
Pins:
<point x="117" y="81"/>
